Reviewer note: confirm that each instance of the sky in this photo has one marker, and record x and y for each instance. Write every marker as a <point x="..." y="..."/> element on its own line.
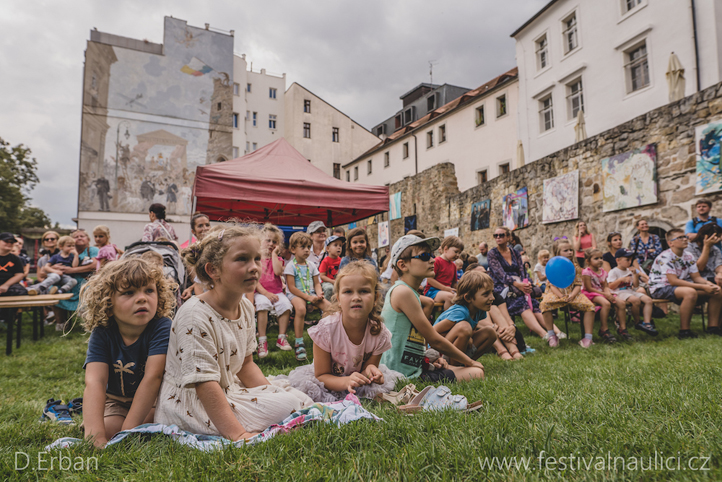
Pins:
<point x="358" y="56"/>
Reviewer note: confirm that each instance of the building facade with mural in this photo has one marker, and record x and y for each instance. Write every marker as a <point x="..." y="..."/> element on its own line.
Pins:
<point x="151" y="114"/>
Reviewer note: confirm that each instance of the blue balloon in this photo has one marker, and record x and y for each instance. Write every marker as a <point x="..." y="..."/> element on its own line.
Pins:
<point x="561" y="272"/>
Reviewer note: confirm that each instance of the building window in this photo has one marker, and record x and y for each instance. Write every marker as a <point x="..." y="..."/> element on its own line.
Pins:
<point x="575" y="98"/>
<point x="248" y="147"/>
<point x="387" y="159"/>
<point x="369" y="167"/>
<point x="235" y="152"/>
<point x="398" y="121"/>
<point x="442" y="133"/>
<point x="255" y="119"/>
<point x="236" y="89"/>
<point x="255" y="146"/>
<point x="409" y="115"/>
<point x="248" y="115"/>
<point x="307" y="130"/>
<point x="235" y="120"/>
<point x="571" y="36"/>
<point x="431" y="102"/>
<point x="380" y="130"/>
<point x="479" y="116"/>
<point x="271" y="121"/>
<point x="430" y="139"/>
<point x="334" y="134"/>
<point x="337" y="170"/>
<point x="501" y="106"/>
<point x="355" y="173"/>
<point x="481" y="176"/>
<point x="504" y="168"/>
<point x="220" y="105"/>
<point x="630" y="4"/>
<point x="271" y="93"/>
<point x="637" y="68"/>
<point x="348" y="176"/>
<point x="405" y="150"/>
<point x="542" y="53"/>
<point x="307" y="106"/>
<point x="546" y="114"/>
<point x="248" y="88"/>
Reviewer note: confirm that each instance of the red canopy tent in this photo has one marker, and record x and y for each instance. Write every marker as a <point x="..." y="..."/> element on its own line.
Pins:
<point x="277" y="184"/>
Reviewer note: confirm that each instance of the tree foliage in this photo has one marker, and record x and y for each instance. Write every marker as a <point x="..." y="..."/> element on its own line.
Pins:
<point x="18" y="177"/>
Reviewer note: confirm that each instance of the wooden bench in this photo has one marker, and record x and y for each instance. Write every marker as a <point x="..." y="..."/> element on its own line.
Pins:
<point x="16" y="305"/>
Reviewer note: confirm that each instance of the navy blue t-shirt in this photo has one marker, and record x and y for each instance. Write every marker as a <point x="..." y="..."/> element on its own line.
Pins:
<point x="58" y="259"/>
<point x="126" y="364"/>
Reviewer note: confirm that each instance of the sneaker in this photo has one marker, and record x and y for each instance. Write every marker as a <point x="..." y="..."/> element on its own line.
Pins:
<point x="647" y="328"/>
<point x="607" y="337"/>
<point x="553" y="341"/>
<point x="282" y="343"/>
<point x="684" y="334"/>
<point x="300" y="352"/>
<point x="585" y="343"/>
<point x="33" y="292"/>
<point x="56" y="411"/>
<point x="562" y="335"/>
<point x="59" y="326"/>
<point x="65" y="289"/>
<point x="53" y="290"/>
<point x="263" y="349"/>
<point x="625" y="334"/>
<point x="545" y="337"/>
<point x="714" y="330"/>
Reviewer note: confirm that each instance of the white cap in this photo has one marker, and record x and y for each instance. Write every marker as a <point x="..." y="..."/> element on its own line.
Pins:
<point x="315" y="226"/>
<point x="410" y="240"/>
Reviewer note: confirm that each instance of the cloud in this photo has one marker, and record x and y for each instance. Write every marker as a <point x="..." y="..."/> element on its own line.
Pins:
<point x="358" y="56"/>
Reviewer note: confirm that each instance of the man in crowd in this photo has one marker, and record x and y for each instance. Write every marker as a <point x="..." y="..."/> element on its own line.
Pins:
<point x="703" y="207"/>
<point x="483" y="250"/>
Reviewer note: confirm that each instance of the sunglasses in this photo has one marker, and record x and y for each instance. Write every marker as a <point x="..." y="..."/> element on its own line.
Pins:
<point x="503" y="235"/>
<point x="50" y="239"/>
<point x="679" y="237"/>
<point x="560" y="237"/>
<point x="423" y="257"/>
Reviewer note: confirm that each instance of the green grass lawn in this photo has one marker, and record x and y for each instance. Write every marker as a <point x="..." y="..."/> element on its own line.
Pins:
<point x="658" y="396"/>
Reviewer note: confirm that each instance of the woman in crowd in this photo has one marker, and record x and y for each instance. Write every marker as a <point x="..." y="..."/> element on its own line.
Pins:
<point x="645" y="246"/>
<point x="511" y="282"/>
<point x="708" y="256"/>
<point x="317" y="231"/>
<point x="87" y="255"/>
<point x="158" y="227"/>
<point x="200" y="224"/>
<point x="582" y="241"/>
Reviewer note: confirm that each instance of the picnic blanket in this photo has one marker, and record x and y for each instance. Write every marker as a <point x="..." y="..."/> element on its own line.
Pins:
<point x="339" y="413"/>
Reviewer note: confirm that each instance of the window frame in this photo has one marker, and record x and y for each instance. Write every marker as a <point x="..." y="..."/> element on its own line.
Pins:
<point x="255" y="119"/>
<point x="249" y="88"/>
<point x="236" y="89"/>
<point x="335" y="134"/>
<point x="500" y="103"/>
<point x="504" y="168"/>
<point x="348" y="175"/>
<point x="272" y="121"/>
<point x="355" y="173"/>
<point x="236" y="152"/>
<point x="405" y="150"/>
<point x="571" y="115"/>
<point x="567" y="30"/>
<point x="306" y="130"/>
<point x="630" y="64"/>
<point x="442" y="133"/>
<point x="430" y="139"/>
<point x="480" y="120"/>
<point x="544" y="110"/>
<point x="539" y="51"/>
<point x="255" y="146"/>
<point x="306" y="106"/>
<point x="369" y="167"/>
<point x="337" y="170"/>
<point x="482" y="176"/>
<point x="387" y="159"/>
<point x="234" y="119"/>
<point x="272" y="93"/>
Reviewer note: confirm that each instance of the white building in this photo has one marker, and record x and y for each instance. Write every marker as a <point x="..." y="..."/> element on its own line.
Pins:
<point x="476" y="132"/>
<point x="258" y="107"/>
<point x="325" y="136"/>
<point x="609" y="59"/>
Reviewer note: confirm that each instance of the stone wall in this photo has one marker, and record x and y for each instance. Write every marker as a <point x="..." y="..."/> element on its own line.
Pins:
<point x="434" y="197"/>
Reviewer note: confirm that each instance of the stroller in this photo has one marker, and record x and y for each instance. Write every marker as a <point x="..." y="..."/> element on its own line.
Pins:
<point x="172" y="261"/>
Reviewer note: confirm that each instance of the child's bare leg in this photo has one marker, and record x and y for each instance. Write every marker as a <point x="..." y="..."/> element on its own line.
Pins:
<point x="483" y="338"/>
<point x="262" y="322"/>
<point x="467" y="373"/>
<point x="513" y="350"/>
<point x="533" y="323"/>
<point x="548" y="322"/>
<point x="634" y="301"/>
<point x="283" y="323"/>
<point x="589" y="322"/>
<point x="299" y="305"/>
<point x="151" y="415"/>
<point x="540" y="319"/>
<point x="113" y="425"/>
<point x="648" y="309"/>
<point x="445" y="297"/>
<point x="621" y="313"/>
<point x="689" y="299"/>
<point x="502" y="351"/>
<point x="604" y="308"/>
<point x="459" y="335"/>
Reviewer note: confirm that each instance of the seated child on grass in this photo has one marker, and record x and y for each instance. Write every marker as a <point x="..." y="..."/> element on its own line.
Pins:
<point x="330" y="264"/>
<point x="302" y="286"/>
<point x="410" y="328"/>
<point x="594" y="279"/>
<point x="358" y="248"/>
<point x="211" y="384"/>
<point x="461" y="324"/>
<point x="269" y="297"/>
<point x="125" y="307"/>
<point x="67" y="256"/>
<point x="558" y="298"/>
<point x="675" y="277"/>
<point x="624" y="283"/>
<point x="347" y="345"/>
<point x="441" y="287"/>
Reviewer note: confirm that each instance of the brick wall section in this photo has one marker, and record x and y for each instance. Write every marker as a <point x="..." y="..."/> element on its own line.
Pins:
<point x="440" y="205"/>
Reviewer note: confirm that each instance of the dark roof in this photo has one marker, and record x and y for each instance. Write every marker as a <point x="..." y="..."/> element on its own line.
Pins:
<point x="536" y="15"/>
<point x="423" y="84"/>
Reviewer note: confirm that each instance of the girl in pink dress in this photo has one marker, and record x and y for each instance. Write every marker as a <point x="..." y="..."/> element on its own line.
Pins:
<point x="594" y="279"/>
<point x="107" y="251"/>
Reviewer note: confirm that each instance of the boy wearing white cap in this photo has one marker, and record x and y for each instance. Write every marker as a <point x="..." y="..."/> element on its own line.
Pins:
<point x="410" y="329"/>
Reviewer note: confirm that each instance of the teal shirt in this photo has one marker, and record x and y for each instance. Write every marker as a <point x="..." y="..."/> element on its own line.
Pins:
<point x="406" y="355"/>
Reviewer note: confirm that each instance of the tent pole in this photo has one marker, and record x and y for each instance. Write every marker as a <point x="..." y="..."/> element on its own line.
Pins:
<point x="329" y="218"/>
<point x="193" y="211"/>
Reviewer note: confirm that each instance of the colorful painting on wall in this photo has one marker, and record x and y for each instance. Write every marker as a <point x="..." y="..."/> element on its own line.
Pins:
<point x="630" y="179"/>
<point x="515" y="211"/>
<point x="395" y="206"/>
<point x="409" y="223"/>
<point x="480" y="215"/>
<point x="383" y="234"/>
<point x="561" y="198"/>
<point x="707" y="141"/>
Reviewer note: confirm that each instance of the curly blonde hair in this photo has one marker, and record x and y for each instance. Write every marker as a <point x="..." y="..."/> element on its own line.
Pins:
<point x="214" y="247"/>
<point x="96" y="297"/>
<point x="369" y="272"/>
<point x="269" y="229"/>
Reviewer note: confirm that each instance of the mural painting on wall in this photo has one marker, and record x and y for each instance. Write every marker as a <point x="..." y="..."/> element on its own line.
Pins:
<point x="149" y="120"/>
<point x="630" y="179"/>
<point x="707" y="142"/>
<point x="409" y="223"/>
<point x="395" y="206"/>
<point x="515" y="210"/>
<point x="480" y="215"/>
<point x="561" y="198"/>
<point x="383" y="234"/>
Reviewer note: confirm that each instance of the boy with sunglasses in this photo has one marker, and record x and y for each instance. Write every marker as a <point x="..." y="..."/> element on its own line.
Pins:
<point x="674" y="276"/>
<point x="410" y="329"/>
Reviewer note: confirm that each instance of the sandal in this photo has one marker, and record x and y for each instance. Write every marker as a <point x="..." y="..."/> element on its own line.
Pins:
<point x="607" y="337"/>
<point x="403" y="396"/>
<point x="301" y="352"/>
<point x="625" y="334"/>
<point x="518" y="356"/>
<point x="506" y="356"/>
<point x="433" y="398"/>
